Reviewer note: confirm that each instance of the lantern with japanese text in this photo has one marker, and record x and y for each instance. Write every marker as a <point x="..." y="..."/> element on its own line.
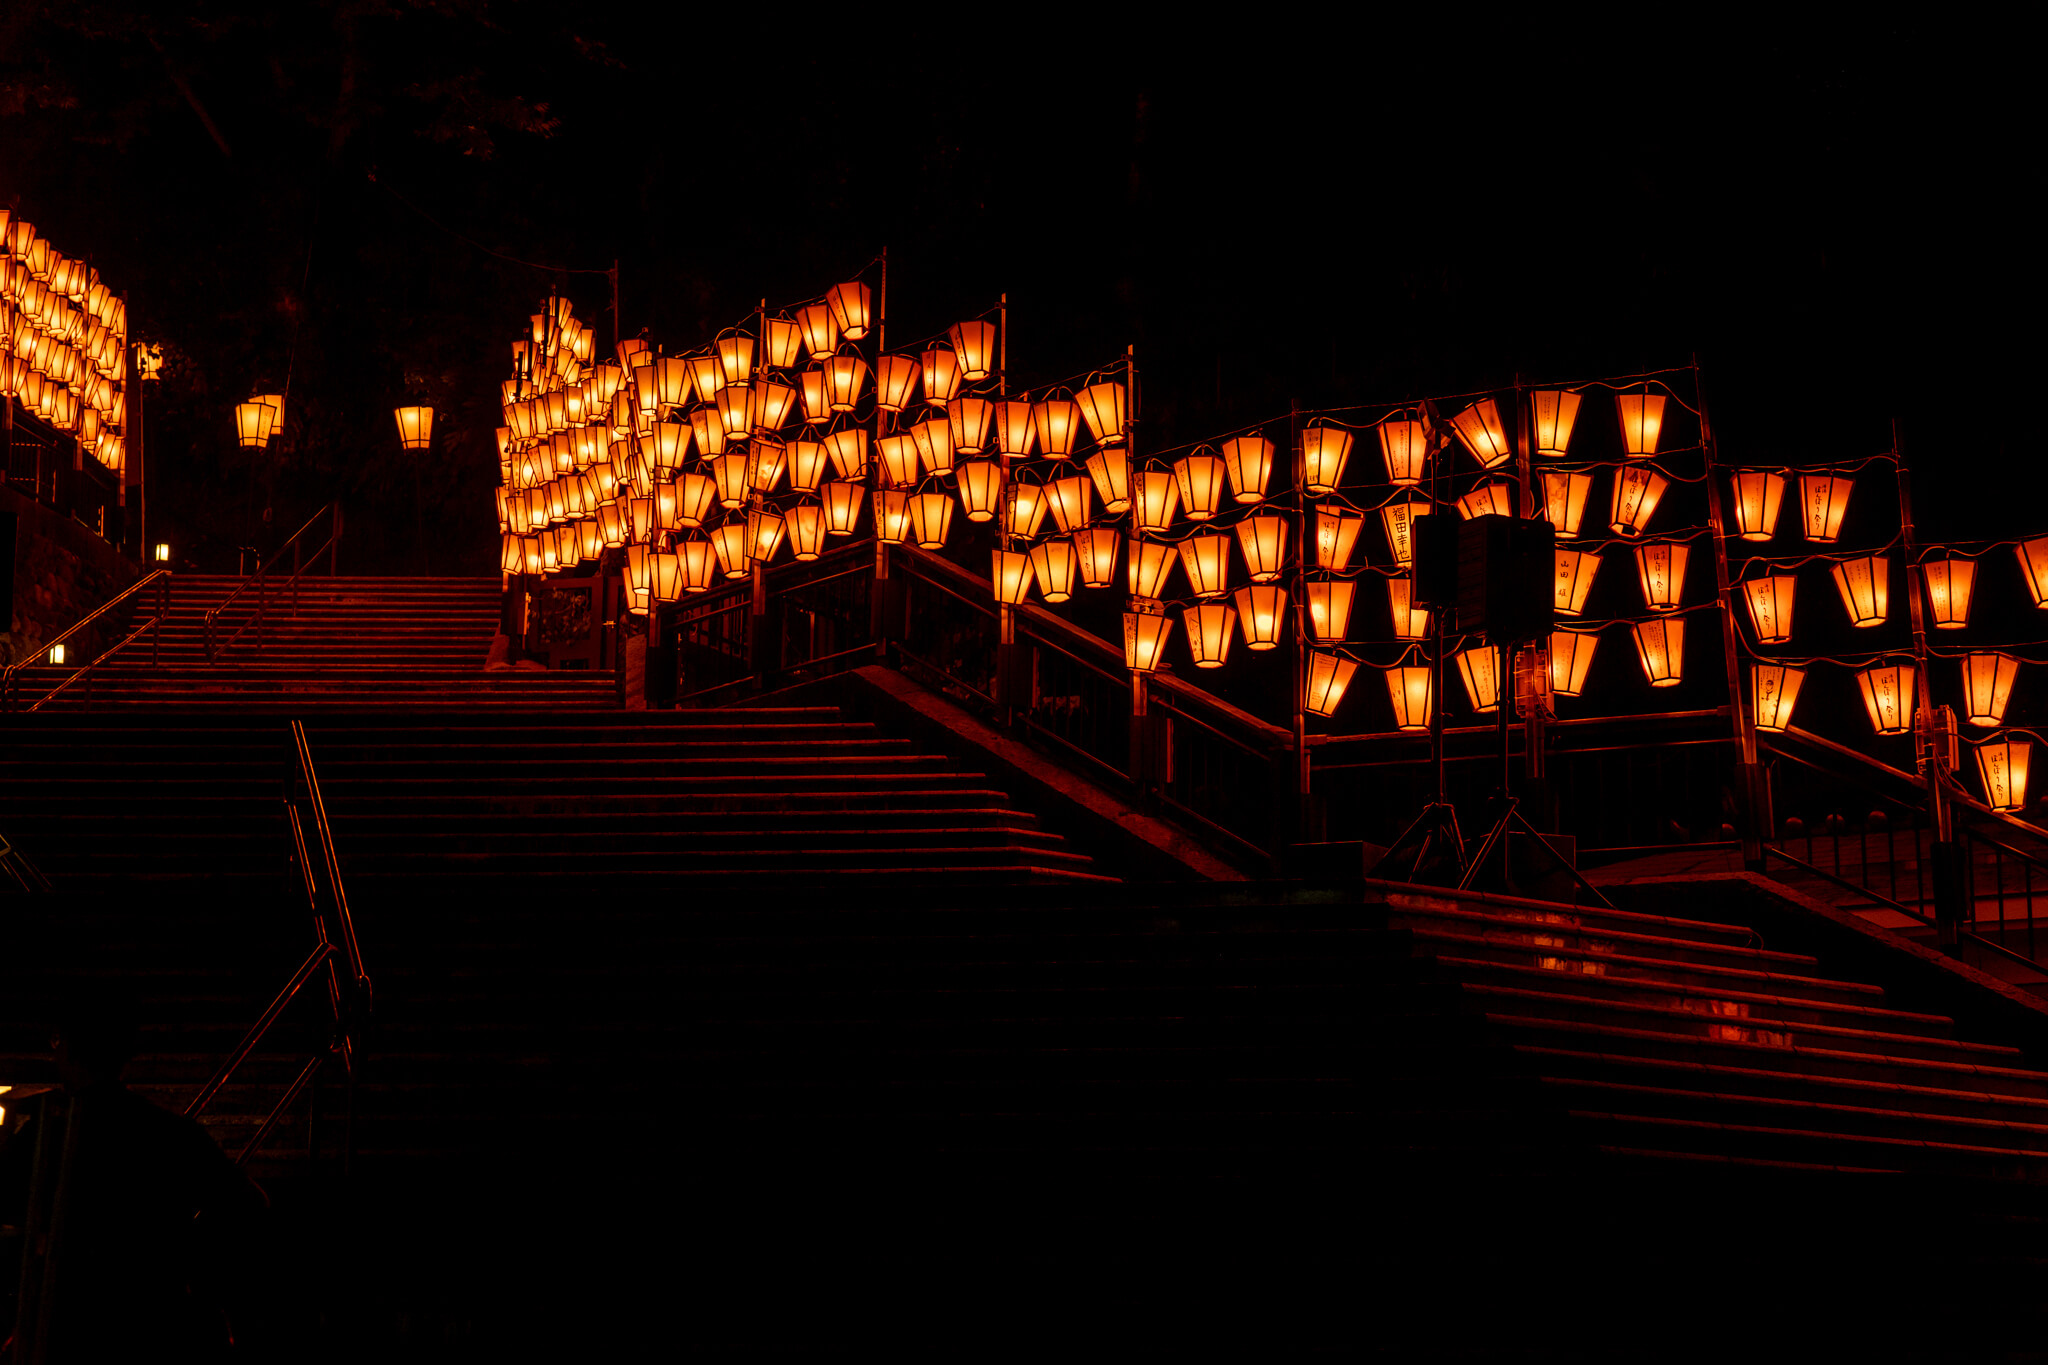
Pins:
<point x="1575" y="571"/>
<point x="1773" y="690"/>
<point x="1660" y="645"/>
<point x="1661" y="569"/>
<point x="1758" y="496"/>
<point x="1888" y="697"/>
<point x="2002" y="764"/>
<point x="1329" y="677"/>
<point x="1408" y="689"/>
<point x="1949" y="583"/>
<point x="1863" y="583"/>
<point x="1987" y="686"/>
<point x="1324" y="451"/>
<point x="1555" y="411"/>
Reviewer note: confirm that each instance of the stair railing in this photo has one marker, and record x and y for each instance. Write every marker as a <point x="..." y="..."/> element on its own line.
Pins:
<point x="10" y="679"/>
<point x="260" y="580"/>
<point x="336" y="954"/>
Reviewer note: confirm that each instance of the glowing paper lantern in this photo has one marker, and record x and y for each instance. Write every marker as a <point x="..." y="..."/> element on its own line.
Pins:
<point x="765" y="530"/>
<point x="1824" y="501"/>
<point x="1264" y="540"/>
<point x="1863" y="584"/>
<point x="1053" y="564"/>
<point x="1758" y="496"/>
<point x="1555" y="412"/>
<point x="730" y="473"/>
<point x="729" y="542"/>
<point x="941" y="375"/>
<point x="1636" y="494"/>
<point x="415" y="427"/>
<point x="1642" y="419"/>
<point x="975" y="344"/>
<point x="2002" y="764"/>
<point x="707" y="376"/>
<point x="981" y="489"/>
<point x="895" y="382"/>
<point x="892" y="516"/>
<point x="1206" y="560"/>
<point x="1210" y="628"/>
<point x="1069" y="499"/>
<point x="1015" y="433"/>
<point x="765" y="460"/>
<point x="1145" y="635"/>
<point x="1027" y="505"/>
<point x="1111" y="471"/>
<point x="842" y="507"/>
<point x="1773" y="689"/>
<point x="1660" y="645"/>
<point x="899" y="460"/>
<point x="1571" y="659"/>
<point x="1949" y="584"/>
<point x="1324" y="451"/>
<point x="1329" y="676"/>
<point x="1410" y="622"/>
<point x="665" y="577"/>
<point x="1150" y="562"/>
<point x="1399" y="520"/>
<point x="1488" y="500"/>
<point x="1404" y="445"/>
<point x="694" y="496"/>
<point x="253" y="425"/>
<point x="1575" y="571"/>
<point x="1564" y="499"/>
<point x="1248" y="460"/>
<point x="931" y="517"/>
<point x="970" y="419"/>
<point x="820" y="332"/>
<point x="275" y="402"/>
<point x="1479" y="428"/>
<point x="1987" y="686"/>
<point x="934" y="440"/>
<point x="1770" y="607"/>
<point x="2033" y="556"/>
<point x="1408" y="688"/>
<point x="1102" y="408"/>
<point x="736" y="359"/>
<point x="1057" y="421"/>
<point x="1661" y="569"/>
<point x="807" y="531"/>
<point x="699" y="560"/>
<point x="1158" y="497"/>
<point x="1478" y="668"/>
<point x="806" y="465"/>
<point x="1329" y="609"/>
<point x="845" y="376"/>
<point x="1095" y="551"/>
<point x="1336" y="537"/>
<point x="850" y="304"/>
<point x="1200" y="481"/>
<point x="1010" y="575"/>
<point x="780" y="339"/>
<point x="708" y="431"/>
<point x="1888" y="697"/>
<point x="1262" y="612"/>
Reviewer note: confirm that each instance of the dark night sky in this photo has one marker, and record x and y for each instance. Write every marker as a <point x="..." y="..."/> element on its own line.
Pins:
<point x="1829" y="216"/>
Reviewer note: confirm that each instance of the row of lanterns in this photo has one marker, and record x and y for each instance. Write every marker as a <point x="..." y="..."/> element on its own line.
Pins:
<point x="63" y="341"/>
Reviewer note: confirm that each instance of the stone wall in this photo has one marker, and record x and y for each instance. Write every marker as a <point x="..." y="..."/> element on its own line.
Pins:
<point x="62" y="571"/>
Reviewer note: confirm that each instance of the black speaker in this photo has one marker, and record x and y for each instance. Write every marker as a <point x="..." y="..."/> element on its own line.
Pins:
<point x="1490" y="575"/>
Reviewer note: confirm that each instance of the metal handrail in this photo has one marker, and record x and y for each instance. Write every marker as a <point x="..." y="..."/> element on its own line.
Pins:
<point x="161" y="577"/>
<point x="343" y="920"/>
<point x="261" y="577"/>
<point x="1888" y="903"/>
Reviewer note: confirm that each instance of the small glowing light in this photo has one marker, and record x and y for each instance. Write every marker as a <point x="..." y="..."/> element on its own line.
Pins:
<point x="1774" y="688"/>
<point x="56" y="654"/>
<point x="1888" y="697"/>
<point x="163" y="553"/>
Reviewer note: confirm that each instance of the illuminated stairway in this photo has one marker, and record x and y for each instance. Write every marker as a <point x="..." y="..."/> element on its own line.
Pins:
<point x="400" y="643"/>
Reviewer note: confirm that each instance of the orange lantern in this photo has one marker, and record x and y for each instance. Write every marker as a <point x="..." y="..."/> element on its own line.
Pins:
<point x="1949" y="582"/>
<point x="1200" y="480"/>
<point x="1773" y="690"/>
<point x="415" y="426"/>
<point x="848" y="451"/>
<point x="1661" y="569"/>
<point x="1636" y="494"/>
<point x="807" y="531"/>
<point x="842" y="507"/>
<point x="1488" y="500"/>
<point x="1770" y="607"/>
<point x="1824" y="499"/>
<point x="1015" y="433"/>
<point x="981" y="489"/>
<point x="736" y="359"/>
<point x="1264" y="539"/>
<point x="1987" y="686"/>
<point x="694" y="496"/>
<point x="2033" y="557"/>
<point x="1863" y="584"/>
<point x="1479" y="428"/>
<point x="1336" y="537"/>
<point x="941" y="375"/>
<point x="1069" y="500"/>
<point x="707" y="376"/>
<point x="1399" y="520"/>
<point x="1145" y="635"/>
<point x="1888" y="697"/>
<point x="1262" y="612"/>
<point x="729" y="542"/>
<point x="934" y="440"/>
<point x="970" y="419"/>
<point x="1158" y="496"/>
<point x="765" y="530"/>
<point x="1056" y="421"/>
<point x="892" y="516"/>
<point x="1404" y="445"/>
<point x="1758" y="495"/>
<point x="1564" y="499"/>
<point x="1206" y="560"/>
<point x="1642" y="419"/>
<point x="699" y="561"/>
<point x="806" y="465"/>
<point x="253" y="426"/>
<point x="1575" y="571"/>
<point x="730" y="474"/>
<point x="1248" y="460"/>
<point x="1408" y="688"/>
<point x="1053" y="564"/>
<point x="1324" y="451"/>
<point x="2002" y="764"/>
<point x="1027" y="505"/>
<point x="1329" y="609"/>
<point x="820" y="332"/>
<point x="708" y="431"/>
<point x="850" y="304"/>
<point x="780" y="339"/>
<point x="1010" y="576"/>
<point x="1479" y="668"/>
<point x="1210" y="627"/>
<point x="1660" y="645"/>
<point x="766" y="458"/>
<point x="817" y="404"/>
<point x="1111" y="471"/>
<point x="664" y="577"/>
<point x="975" y="344"/>
<point x="899" y="460"/>
<point x="931" y="517"/>
<point x="895" y="382"/>
<point x="1329" y="676"/>
<point x="1410" y="622"/>
<point x="1555" y="411"/>
<point x="845" y="377"/>
<point x="1102" y="408"/>
<point x="1095" y="550"/>
<point x="1571" y="659"/>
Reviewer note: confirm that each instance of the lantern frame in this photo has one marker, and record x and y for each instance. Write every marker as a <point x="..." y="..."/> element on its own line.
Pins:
<point x="1555" y="412"/>
<point x="1479" y="430"/>
<point x="1248" y="461"/>
<point x="1660" y="648"/>
<point x="1210" y="628"/>
<point x="1660" y="568"/>
<point x="1642" y="422"/>
<point x="1205" y="559"/>
<point x="1758" y="496"/>
<point x="2002" y="767"/>
<point x="1773" y="692"/>
<point x="1823" y="503"/>
<point x="1329" y="677"/>
<point x="1324" y="452"/>
<point x="1950" y="584"/>
<point x="1888" y="697"/>
<point x="1576" y="570"/>
<point x="1988" y="676"/>
<point x="1770" y="601"/>
<point x="1864" y="584"/>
